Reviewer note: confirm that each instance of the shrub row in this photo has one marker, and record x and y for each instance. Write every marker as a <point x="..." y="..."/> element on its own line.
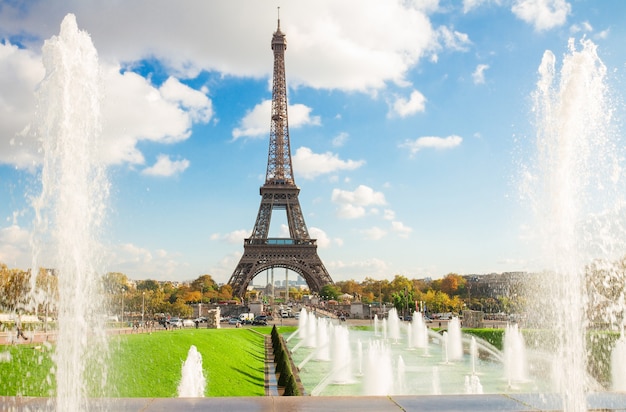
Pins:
<point x="283" y="365"/>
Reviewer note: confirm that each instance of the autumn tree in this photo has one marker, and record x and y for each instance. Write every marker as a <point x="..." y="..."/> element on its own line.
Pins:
<point x="14" y="288"/>
<point x="453" y="284"/>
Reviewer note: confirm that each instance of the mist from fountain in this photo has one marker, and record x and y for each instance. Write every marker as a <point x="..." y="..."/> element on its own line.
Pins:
<point x="576" y="188"/>
<point x="341" y="356"/>
<point x="515" y="360"/>
<point x="70" y="210"/>
<point x="618" y="365"/>
<point x="393" y="324"/>
<point x="192" y="383"/>
<point x="454" y="343"/>
<point x="365" y="364"/>
<point x="420" y="331"/>
<point x="378" y="379"/>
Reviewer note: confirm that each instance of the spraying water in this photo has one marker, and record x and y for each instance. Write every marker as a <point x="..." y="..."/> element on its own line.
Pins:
<point x="575" y="192"/>
<point x="192" y="383"/>
<point x="70" y="210"/>
<point x="514" y="355"/>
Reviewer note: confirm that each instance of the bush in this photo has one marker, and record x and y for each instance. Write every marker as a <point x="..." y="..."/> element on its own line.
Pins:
<point x="291" y="388"/>
<point x="285" y="372"/>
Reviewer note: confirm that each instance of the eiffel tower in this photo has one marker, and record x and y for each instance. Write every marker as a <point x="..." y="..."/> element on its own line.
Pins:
<point x="298" y="252"/>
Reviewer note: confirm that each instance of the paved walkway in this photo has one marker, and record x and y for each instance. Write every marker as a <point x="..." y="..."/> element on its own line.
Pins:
<point x="604" y="402"/>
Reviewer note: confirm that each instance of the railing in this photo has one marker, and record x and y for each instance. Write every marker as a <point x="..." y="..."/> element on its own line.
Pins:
<point x="276" y="241"/>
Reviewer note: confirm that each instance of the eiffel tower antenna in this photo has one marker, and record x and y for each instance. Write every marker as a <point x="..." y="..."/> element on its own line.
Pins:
<point x="298" y="252"/>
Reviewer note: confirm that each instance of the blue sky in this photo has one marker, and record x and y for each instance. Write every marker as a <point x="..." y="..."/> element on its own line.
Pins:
<point x="409" y="124"/>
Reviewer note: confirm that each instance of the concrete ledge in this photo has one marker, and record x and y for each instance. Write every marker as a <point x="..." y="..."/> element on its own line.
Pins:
<point x="609" y="401"/>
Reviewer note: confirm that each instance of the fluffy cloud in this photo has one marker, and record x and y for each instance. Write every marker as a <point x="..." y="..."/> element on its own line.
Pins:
<point x="133" y="110"/>
<point x="323" y="241"/>
<point x="374" y="233"/>
<point x="405" y="107"/>
<point x="256" y="122"/>
<point x="15" y="249"/>
<point x="479" y="74"/>
<point x="165" y="167"/>
<point x="400" y="229"/>
<point x="353" y="204"/>
<point x="542" y="14"/>
<point x="235" y="237"/>
<point x="130" y="258"/>
<point x="21" y="71"/>
<point x="431" y="142"/>
<point x="469" y="5"/>
<point x="310" y="165"/>
<point x="332" y="45"/>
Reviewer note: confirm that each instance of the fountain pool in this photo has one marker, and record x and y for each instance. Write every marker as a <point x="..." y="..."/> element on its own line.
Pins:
<point x="390" y="364"/>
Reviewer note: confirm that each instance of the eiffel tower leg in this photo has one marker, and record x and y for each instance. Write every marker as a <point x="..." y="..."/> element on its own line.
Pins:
<point x="300" y="258"/>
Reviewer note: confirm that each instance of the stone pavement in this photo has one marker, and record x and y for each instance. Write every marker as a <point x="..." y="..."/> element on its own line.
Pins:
<point x="470" y="403"/>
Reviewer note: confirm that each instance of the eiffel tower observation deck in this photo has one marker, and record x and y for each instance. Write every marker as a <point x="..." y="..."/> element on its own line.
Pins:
<point x="298" y="252"/>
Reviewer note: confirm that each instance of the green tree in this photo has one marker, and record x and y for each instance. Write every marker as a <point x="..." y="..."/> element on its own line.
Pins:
<point x="330" y="291"/>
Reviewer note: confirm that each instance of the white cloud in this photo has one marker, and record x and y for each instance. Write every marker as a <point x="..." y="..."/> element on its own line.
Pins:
<point x="21" y="71"/>
<point x="405" y="107"/>
<point x="401" y="229"/>
<point x="256" y="122"/>
<point x="161" y="264"/>
<point x="452" y="39"/>
<point x="323" y="241"/>
<point x="195" y="102"/>
<point x="310" y="165"/>
<point x="331" y="44"/>
<point x="469" y="5"/>
<point x="542" y="14"/>
<point x="362" y="196"/>
<point x="432" y="142"/>
<point x="350" y="211"/>
<point x="135" y="110"/>
<point x="15" y="248"/>
<point x="165" y="167"/>
<point x="372" y="267"/>
<point x="389" y="214"/>
<point x="374" y="233"/>
<point x="479" y="74"/>
<point x="353" y="205"/>
<point x="340" y="139"/>
<point x="584" y="27"/>
<point x="235" y="237"/>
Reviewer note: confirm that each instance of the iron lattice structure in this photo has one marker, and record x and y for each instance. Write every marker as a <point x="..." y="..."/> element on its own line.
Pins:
<point x="297" y="253"/>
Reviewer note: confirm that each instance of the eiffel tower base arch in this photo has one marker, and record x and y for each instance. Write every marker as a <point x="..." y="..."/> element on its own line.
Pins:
<point x="300" y="258"/>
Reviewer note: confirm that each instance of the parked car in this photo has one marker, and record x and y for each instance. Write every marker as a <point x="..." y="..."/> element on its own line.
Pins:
<point x="189" y="323"/>
<point x="175" y="323"/>
<point x="260" y="320"/>
<point x="233" y="321"/>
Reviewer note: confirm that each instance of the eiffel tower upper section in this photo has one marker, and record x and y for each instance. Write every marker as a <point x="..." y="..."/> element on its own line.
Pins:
<point x="298" y="252"/>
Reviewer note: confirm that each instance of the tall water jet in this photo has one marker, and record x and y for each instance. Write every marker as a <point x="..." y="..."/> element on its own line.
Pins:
<point x="192" y="383"/>
<point x="71" y="209"/>
<point x="420" y="331"/>
<point x="378" y="379"/>
<point x="514" y="355"/>
<point x="618" y="365"/>
<point x="576" y="191"/>
<point x="455" y="344"/>
<point x="393" y="324"/>
<point x="341" y="355"/>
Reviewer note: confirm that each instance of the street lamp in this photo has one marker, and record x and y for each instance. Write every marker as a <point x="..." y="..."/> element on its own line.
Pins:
<point x="143" y="305"/>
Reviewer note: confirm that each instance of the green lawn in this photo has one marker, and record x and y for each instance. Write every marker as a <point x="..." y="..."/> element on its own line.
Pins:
<point x="149" y="365"/>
